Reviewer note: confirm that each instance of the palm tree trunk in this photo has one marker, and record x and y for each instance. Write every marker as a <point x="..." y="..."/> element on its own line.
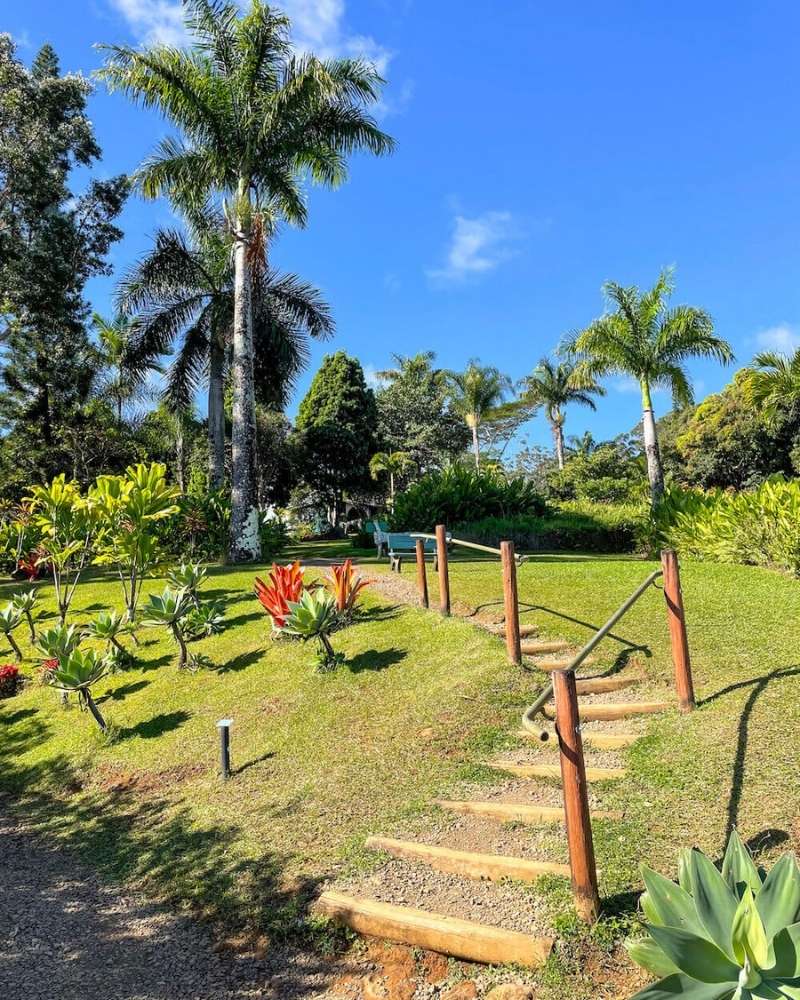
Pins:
<point x="216" y="417"/>
<point x="558" y="436"/>
<point x="180" y="457"/>
<point x="391" y="490"/>
<point x="655" y="472"/>
<point x="476" y="448"/>
<point x="245" y="543"/>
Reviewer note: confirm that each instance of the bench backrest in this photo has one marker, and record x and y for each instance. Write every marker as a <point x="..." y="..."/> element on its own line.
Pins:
<point x="401" y="542"/>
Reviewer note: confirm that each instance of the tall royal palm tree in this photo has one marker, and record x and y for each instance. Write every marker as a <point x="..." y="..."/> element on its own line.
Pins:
<point x="475" y="393"/>
<point x="773" y="381"/>
<point x="554" y="385"/>
<point x="642" y="337"/>
<point x="182" y="292"/>
<point x="253" y="119"/>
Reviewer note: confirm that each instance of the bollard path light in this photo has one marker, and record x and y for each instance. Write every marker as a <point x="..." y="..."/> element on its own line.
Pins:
<point x="224" y="727"/>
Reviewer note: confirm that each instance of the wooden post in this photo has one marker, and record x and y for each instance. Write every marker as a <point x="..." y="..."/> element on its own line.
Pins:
<point x="422" y="576"/>
<point x="677" y="630"/>
<point x="576" y="797"/>
<point x="511" y="602"/>
<point x="444" y="578"/>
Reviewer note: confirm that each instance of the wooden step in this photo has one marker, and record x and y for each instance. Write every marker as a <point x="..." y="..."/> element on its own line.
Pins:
<point x="554" y="771"/>
<point x="564" y="663"/>
<point x="491" y="866"/>
<point x="524" y="630"/>
<point x="610" y="711"/>
<point x="538" y="648"/>
<point x="460" y="938"/>
<point x="600" y="741"/>
<point x="520" y="812"/>
<point x="599" y="685"/>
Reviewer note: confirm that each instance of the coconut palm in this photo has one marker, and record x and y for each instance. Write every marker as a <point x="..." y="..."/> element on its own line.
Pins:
<point x="554" y="385"/>
<point x="254" y="118"/>
<point x="395" y="463"/>
<point x="182" y="294"/>
<point x="646" y="339"/>
<point x="773" y="381"/>
<point x="475" y="393"/>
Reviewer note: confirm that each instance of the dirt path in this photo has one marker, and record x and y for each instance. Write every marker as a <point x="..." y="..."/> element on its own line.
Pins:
<point x="64" y="934"/>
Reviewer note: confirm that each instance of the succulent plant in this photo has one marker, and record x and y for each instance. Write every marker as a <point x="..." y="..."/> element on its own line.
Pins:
<point x="206" y="618"/>
<point x="10" y="618"/>
<point x="732" y="935"/>
<point x="314" y="616"/>
<point x="108" y="626"/>
<point x="170" y="609"/>
<point x="77" y="672"/>
<point x="189" y="577"/>
<point x="58" y="642"/>
<point x="25" y="602"/>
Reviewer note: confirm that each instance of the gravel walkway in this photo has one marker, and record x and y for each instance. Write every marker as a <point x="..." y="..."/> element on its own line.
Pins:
<point x="65" y="935"/>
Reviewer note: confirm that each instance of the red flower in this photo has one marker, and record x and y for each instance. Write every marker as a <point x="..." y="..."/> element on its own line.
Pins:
<point x="9" y="672"/>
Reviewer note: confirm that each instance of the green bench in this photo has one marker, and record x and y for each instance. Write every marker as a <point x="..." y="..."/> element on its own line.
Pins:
<point x="397" y="544"/>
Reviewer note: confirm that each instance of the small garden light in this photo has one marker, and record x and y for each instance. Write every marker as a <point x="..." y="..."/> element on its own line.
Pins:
<point x="224" y="727"/>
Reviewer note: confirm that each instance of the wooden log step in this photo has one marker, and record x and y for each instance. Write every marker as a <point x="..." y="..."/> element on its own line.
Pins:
<point x="468" y="863"/>
<point x="598" y="685"/>
<point x="563" y="664"/>
<point x="554" y="771"/>
<point x="460" y="938"/>
<point x="610" y="711"/>
<point x="537" y="648"/>
<point x="524" y="630"/>
<point x="520" y="812"/>
<point x="600" y="741"/>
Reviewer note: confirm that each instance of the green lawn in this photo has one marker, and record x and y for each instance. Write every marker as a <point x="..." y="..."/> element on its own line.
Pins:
<point x="323" y="760"/>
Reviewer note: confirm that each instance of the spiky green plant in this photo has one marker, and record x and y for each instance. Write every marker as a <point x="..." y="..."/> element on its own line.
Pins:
<point x="25" y="603"/>
<point x="170" y="610"/>
<point x="189" y="577"/>
<point x="58" y="642"/>
<point x="77" y="672"/>
<point x="107" y="627"/>
<point x="10" y="618"/>
<point x="732" y="935"/>
<point x="207" y="618"/>
<point x="314" y="616"/>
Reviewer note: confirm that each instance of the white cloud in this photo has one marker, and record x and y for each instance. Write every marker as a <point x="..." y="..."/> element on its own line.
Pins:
<point x="318" y="26"/>
<point x="478" y="245"/>
<point x="372" y="377"/>
<point x="628" y="385"/>
<point x="154" y="22"/>
<point x="784" y="338"/>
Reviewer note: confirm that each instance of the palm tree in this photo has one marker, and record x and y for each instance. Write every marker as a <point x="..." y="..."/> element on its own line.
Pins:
<point x="124" y="383"/>
<point x="651" y="342"/>
<point x="183" y="291"/>
<point x="583" y="445"/>
<point x="254" y="118"/>
<point x="556" y="385"/>
<point x="773" y="381"/>
<point x="395" y="463"/>
<point x="475" y="392"/>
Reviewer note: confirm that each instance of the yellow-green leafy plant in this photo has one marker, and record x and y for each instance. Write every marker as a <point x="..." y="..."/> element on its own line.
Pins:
<point x="729" y="935"/>
<point x="131" y="507"/>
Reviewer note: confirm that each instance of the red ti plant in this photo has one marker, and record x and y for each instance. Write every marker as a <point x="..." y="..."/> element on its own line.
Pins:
<point x="345" y="585"/>
<point x="9" y="680"/>
<point x="285" y="587"/>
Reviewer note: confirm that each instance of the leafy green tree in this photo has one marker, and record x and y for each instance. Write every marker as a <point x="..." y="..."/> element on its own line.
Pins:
<point x="555" y="385"/>
<point x="646" y="339"/>
<point x="52" y="241"/>
<point x="609" y="473"/>
<point x="335" y="431"/>
<point x="772" y="382"/>
<point x="254" y="118"/>
<point x="394" y="464"/>
<point x="475" y="393"/>
<point x="415" y="415"/>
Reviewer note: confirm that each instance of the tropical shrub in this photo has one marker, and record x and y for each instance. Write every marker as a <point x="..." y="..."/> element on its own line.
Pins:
<point x="58" y="642"/>
<point x="25" y="603"/>
<point x="759" y="527"/>
<point x="314" y="616"/>
<point x="609" y="473"/>
<point x="9" y="680"/>
<point x="274" y="536"/>
<point x="201" y="525"/>
<point x="170" y="610"/>
<point x="284" y="588"/>
<point x="732" y="935"/>
<point x="189" y="577"/>
<point x="459" y="495"/>
<point x="11" y="618"/>
<point x="206" y="618"/>
<point x="107" y="627"/>
<point x="345" y="585"/>
<point x="77" y="672"/>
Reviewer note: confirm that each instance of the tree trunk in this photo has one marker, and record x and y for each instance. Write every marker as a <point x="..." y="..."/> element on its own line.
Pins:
<point x="476" y="448"/>
<point x="216" y="417"/>
<point x="655" y="473"/>
<point x="391" y="490"/>
<point x="558" y="436"/>
<point x="245" y="543"/>
<point x="90" y="704"/>
<point x="180" y="457"/>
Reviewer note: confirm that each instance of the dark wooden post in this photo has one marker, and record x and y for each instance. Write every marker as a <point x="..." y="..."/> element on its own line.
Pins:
<point x="444" y="578"/>
<point x="511" y="601"/>
<point x="422" y="576"/>
<point x="677" y="630"/>
<point x="576" y="797"/>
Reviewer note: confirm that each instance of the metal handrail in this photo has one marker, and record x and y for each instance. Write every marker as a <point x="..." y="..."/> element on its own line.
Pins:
<point x="527" y="719"/>
<point x="467" y="545"/>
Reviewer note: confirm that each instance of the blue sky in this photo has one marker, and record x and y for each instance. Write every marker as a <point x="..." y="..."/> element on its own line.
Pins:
<point x="543" y="148"/>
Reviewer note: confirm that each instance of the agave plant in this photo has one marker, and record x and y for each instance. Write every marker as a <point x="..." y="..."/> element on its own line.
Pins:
<point x="722" y="936"/>
<point x="189" y="577"/>
<point x="345" y="585"/>
<point x="207" y="618"/>
<point x="58" y="642"/>
<point x="78" y="672"/>
<point x="314" y="616"/>
<point x="170" y="610"/>
<point x="25" y="603"/>
<point x="108" y="626"/>
<point x="284" y="588"/>
<point x="10" y="618"/>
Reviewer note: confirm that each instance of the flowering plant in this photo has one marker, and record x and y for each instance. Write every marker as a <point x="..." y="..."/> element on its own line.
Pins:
<point x="9" y="679"/>
<point x="284" y="588"/>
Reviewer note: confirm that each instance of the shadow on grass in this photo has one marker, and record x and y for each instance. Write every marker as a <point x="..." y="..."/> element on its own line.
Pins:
<point x="159" y="661"/>
<point x="149" y="729"/>
<point x="118" y="694"/>
<point x="375" y="659"/>
<point x="377" y="613"/>
<point x="242" y="661"/>
<point x="243" y="619"/>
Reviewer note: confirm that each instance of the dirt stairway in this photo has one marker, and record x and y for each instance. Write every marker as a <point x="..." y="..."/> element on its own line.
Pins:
<point x="458" y="889"/>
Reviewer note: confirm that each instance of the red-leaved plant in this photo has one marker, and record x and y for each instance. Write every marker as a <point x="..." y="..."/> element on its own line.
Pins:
<point x="9" y="680"/>
<point x="285" y="586"/>
<point x="345" y="585"/>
